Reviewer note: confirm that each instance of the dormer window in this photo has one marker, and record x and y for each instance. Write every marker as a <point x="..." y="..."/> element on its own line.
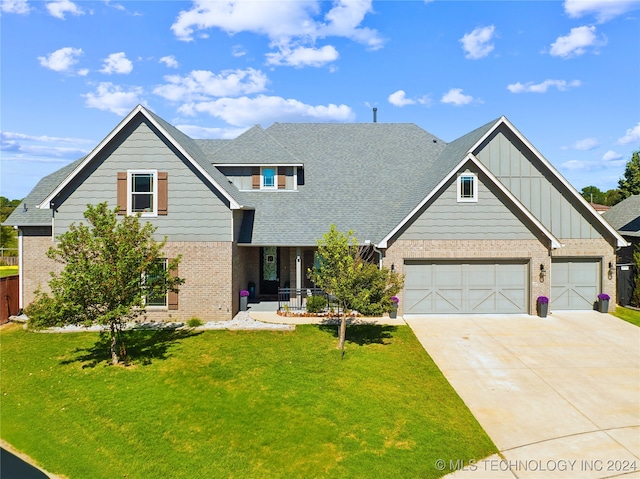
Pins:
<point x="268" y="178"/>
<point x="467" y="188"/>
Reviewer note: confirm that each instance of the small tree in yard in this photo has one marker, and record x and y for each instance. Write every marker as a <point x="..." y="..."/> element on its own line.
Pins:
<point x="343" y="272"/>
<point x="110" y="268"/>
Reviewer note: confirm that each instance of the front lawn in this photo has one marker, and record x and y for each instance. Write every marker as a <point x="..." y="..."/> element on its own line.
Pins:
<point x="629" y="315"/>
<point x="8" y="271"/>
<point x="234" y="404"/>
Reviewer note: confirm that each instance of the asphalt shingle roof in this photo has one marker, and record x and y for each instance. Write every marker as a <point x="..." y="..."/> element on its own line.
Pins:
<point x="365" y="177"/>
<point x="625" y="216"/>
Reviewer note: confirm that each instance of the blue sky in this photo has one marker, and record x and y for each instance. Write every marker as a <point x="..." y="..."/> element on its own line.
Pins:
<point x="565" y="73"/>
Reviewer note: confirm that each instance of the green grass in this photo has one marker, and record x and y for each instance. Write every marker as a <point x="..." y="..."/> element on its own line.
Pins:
<point x="8" y="271"/>
<point x="234" y="404"/>
<point x="629" y="315"/>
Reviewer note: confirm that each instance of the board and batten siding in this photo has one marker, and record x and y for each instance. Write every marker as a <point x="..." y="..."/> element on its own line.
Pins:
<point x="520" y="172"/>
<point x="195" y="212"/>
<point x="488" y="219"/>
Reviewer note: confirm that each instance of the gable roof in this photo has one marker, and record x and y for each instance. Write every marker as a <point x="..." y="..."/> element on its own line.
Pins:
<point x="182" y="143"/>
<point x="625" y="216"/>
<point x="27" y="213"/>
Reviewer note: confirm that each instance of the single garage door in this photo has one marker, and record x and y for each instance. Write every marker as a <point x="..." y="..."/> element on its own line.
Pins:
<point x="575" y="284"/>
<point x="444" y="287"/>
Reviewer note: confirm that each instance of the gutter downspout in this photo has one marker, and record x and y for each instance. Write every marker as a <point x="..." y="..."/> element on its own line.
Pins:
<point x="375" y="248"/>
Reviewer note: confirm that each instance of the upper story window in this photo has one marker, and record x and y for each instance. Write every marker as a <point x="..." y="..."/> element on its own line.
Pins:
<point x="142" y="186"/>
<point x="268" y="177"/>
<point x="143" y="191"/>
<point x="467" y="188"/>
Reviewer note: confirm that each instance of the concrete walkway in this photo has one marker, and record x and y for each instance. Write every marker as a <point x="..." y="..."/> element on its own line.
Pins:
<point x="559" y="396"/>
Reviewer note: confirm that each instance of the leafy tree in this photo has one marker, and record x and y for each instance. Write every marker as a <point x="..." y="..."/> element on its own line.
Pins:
<point x="8" y="235"/>
<point x="613" y="197"/>
<point x="344" y="272"/>
<point x="110" y="267"/>
<point x="629" y="184"/>
<point x="593" y="195"/>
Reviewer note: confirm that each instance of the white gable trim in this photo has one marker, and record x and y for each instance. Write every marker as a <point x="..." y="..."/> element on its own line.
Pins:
<point x="555" y="243"/>
<point x="504" y="121"/>
<point x="234" y="205"/>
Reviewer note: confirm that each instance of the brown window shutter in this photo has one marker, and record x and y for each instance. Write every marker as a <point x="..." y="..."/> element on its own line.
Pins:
<point x="282" y="177"/>
<point x="163" y="192"/>
<point x="255" y="178"/>
<point x="122" y="193"/>
<point x="172" y="298"/>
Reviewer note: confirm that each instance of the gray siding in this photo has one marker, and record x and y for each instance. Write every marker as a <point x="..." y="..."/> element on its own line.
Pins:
<point x="196" y="212"/>
<point x="518" y="169"/>
<point x="489" y="218"/>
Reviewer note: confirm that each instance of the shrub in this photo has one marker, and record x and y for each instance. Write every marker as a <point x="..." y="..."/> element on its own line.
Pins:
<point x="315" y="304"/>
<point x="194" y="322"/>
<point x="374" y="290"/>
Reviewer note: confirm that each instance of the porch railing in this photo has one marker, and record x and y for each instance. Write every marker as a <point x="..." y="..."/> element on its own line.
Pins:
<point x="295" y="299"/>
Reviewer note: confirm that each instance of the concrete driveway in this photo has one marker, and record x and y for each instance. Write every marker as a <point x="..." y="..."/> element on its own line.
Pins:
<point x="559" y="396"/>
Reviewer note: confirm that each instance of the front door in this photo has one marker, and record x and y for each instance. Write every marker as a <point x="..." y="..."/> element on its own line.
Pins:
<point x="269" y="270"/>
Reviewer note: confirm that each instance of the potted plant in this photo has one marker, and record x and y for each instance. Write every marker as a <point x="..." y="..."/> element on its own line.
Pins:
<point x="244" y="299"/>
<point x="394" y="307"/>
<point x="603" y="302"/>
<point x="543" y="306"/>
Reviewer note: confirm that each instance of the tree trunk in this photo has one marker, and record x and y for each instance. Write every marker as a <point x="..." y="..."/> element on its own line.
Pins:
<point x="114" y="345"/>
<point x="343" y="330"/>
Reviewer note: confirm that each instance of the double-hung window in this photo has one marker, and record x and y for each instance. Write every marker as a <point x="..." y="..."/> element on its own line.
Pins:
<point x="157" y="298"/>
<point x="142" y="187"/>
<point x="467" y="188"/>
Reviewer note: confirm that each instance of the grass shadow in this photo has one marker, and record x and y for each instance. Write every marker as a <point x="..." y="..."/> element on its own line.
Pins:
<point x="360" y="332"/>
<point x="142" y="345"/>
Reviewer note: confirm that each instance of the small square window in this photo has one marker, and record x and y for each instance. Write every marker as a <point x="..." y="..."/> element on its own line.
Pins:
<point x="467" y="188"/>
<point x="268" y="177"/>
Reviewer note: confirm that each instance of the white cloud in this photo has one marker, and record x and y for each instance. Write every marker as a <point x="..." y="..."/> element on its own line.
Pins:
<point x="531" y="87"/>
<point x="399" y="98"/>
<point x="170" y="61"/>
<point x="17" y="145"/>
<point x="456" y="97"/>
<point x="303" y="56"/>
<point x="576" y="43"/>
<point x="585" y="144"/>
<point x="113" y="98"/>
<point x="603" y="10"/>
<point x="264" y="109"/>
<point x="203" y="85"/>
<point x="15" y="6"/>
<point x="578" y="165"/>
<point x="477" y="44"/>
<point x="195" y="131"/>
<point x="59" y="8"/>
<point x="632" y="135"/>
<point x="117" y="63"/>
<point x="238" y="51"/>
<point x="611" y="156"/>
<point x="61" y="60"/>
<point x="290" y="26"/>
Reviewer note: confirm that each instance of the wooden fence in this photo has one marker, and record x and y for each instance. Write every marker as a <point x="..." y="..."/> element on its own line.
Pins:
<point x="9" y="301"/>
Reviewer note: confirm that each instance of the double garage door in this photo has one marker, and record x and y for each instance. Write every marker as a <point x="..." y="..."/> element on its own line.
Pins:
<point x="445" y="287"/>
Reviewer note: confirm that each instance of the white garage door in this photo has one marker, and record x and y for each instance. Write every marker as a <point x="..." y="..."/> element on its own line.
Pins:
<point x="575" y="284"/>
<point x="439" y="287"/>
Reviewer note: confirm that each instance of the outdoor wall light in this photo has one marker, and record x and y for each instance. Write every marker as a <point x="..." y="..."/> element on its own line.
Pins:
<point x="393" y="267"/>
<point x="543" y="273"/>
<point x="611" y="270"/>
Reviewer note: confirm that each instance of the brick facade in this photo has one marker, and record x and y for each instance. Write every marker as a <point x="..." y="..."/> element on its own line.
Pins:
<point x="36" y="267"/>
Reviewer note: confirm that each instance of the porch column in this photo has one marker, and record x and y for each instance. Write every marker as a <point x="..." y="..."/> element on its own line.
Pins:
<point x="298" y="269"/>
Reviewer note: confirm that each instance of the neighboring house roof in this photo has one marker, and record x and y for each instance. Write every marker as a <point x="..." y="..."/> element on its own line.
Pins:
<point x="27" y="214"/>
<point x="625" y="216"/>
<point x="600" y="208"/>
